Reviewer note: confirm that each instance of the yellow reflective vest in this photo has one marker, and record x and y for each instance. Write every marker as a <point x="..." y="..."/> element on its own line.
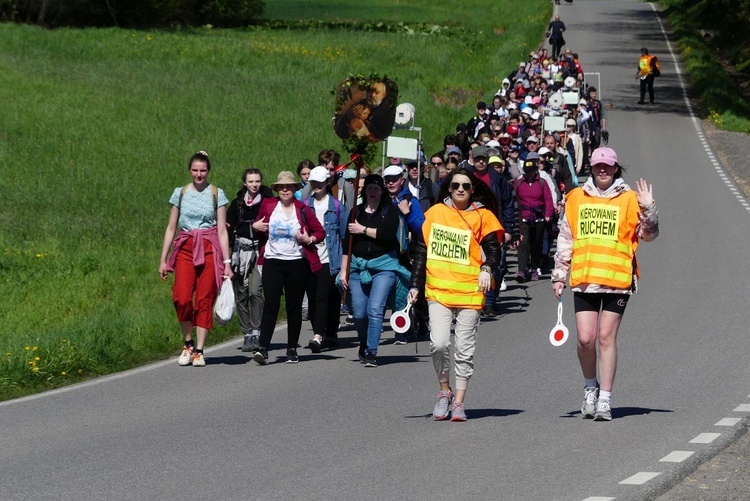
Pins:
<point x="644" y="64"/>
<point x="604" y="239"/>
<point x="454" y="254"/>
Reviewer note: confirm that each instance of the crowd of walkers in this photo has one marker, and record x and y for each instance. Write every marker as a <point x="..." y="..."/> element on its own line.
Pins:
<point x="433" y="232"/>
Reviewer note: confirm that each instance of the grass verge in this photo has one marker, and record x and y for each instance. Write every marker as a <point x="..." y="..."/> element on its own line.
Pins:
<point x="721" y="98"/>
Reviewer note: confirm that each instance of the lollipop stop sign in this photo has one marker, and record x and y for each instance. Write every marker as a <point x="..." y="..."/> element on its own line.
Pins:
<point x="559" y="333"/>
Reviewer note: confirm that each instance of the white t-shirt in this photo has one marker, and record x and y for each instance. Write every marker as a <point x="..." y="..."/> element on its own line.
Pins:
<point x="413" y="190"/>
<point x="282" y="236"/>
<point x="320" y="211"/>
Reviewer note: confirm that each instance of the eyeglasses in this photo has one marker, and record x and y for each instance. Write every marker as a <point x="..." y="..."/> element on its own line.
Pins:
<point x="391" y="179"/>
<point x="415" y="166"/>
<point x="465" y="186"/>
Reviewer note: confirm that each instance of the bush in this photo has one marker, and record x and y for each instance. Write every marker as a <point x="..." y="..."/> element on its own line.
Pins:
<point x="132" y="13"/>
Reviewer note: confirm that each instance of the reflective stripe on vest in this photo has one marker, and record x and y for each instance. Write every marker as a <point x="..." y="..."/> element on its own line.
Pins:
<point x="456" y="268"/>
<point x="472" y="301"/>
<point x="440" y="283"/>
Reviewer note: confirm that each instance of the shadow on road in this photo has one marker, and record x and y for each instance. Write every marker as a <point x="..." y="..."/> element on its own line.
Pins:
<point x="477" y="413"/>
<point x="621" y="412"/>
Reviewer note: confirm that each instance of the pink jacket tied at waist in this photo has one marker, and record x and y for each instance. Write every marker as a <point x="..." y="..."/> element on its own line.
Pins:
<point x="199" y="258"/>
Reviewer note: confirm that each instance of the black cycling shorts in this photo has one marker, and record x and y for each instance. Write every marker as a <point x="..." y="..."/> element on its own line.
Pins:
<point x="600" y="301"/>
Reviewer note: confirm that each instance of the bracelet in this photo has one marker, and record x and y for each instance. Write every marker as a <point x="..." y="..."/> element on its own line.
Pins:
<point x="227" y="261"/>
<point x="364" y="231"/>
<point x="486" y="268"/>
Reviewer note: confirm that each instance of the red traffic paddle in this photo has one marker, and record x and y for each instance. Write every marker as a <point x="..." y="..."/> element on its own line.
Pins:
<point x="559" y="333"/>
<point x="400" y="321"/>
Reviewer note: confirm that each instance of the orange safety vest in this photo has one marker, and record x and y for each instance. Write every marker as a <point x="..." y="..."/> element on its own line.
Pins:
<point x="454" y="254"/>
<point x="604" y="238"/>
<point x="644" y="64"/>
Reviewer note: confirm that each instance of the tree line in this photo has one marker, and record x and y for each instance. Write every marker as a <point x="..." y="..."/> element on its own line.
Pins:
<point x="132" y="13"/>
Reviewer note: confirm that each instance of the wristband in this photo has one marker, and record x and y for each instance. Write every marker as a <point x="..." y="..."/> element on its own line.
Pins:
<point x="227" y="261"/>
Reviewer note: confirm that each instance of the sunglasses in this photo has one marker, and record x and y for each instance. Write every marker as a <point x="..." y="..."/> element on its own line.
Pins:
<point x="392" y="179"/>
<point x="465" y="186"/>
<point x="284" y="187"/>
<point x="436" y="163"/>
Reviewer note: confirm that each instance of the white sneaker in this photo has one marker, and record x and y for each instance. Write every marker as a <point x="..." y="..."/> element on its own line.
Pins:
<point x="198" y="360"/>
<point x="590" y="397"/>
<point x="503" y="286"/>
<point x="186" y="356"/>
<point x="603" y="411"/>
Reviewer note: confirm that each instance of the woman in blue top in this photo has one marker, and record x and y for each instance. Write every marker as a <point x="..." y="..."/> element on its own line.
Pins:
<point x="200" y="255"/>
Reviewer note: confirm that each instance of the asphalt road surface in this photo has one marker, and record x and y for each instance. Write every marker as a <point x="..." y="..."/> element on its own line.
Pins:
<point x="327" y="428"/>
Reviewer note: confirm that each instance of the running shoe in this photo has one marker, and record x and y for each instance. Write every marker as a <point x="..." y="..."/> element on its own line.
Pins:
<point x="400" y="339"/>
<point x="349" y="320"/>
<point x="329" y="343"/>
<point x="247" y="343"/>
<point x="503" y="286"/>
<point x="457" y="412"/>
<point x="442" y="407"/>
<point x="520" y="277"/>
<point x="261" y="356"/>
<point x="361" y="353"/>
<point x="314" y="346"/>
<point x="371" y="361"/>
<point x="590" y="397"/>
<point x="535" y="275"/>
<point x="603" y="411"/>
<point x="198" y="360"/>
<point x="291" y="356"/>
<point x="186" y="357"/>
<point x="489" y="311"/>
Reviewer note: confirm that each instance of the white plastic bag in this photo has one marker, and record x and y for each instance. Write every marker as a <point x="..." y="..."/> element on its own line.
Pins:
<point x="225" y="305"/>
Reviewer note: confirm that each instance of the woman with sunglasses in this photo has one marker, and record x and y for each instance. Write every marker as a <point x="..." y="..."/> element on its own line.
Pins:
<point x="288" y="231"/>
<point x="604" y="221"/>
<point x="455" y="277"/>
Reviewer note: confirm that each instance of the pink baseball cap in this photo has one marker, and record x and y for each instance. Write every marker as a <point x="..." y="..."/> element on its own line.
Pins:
<point x="604" y="156"/>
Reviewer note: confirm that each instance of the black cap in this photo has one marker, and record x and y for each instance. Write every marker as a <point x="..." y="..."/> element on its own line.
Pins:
<point x="374" y="178"/>
<point x="481" y="105"/>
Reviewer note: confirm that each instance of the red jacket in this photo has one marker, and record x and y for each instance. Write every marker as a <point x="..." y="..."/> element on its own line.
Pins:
<point x="307" y="220"/>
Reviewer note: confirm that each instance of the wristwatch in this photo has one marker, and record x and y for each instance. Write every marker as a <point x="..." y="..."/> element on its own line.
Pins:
<point x="486" y="268"/>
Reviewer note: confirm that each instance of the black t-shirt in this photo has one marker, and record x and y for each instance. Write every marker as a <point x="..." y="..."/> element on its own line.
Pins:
<point x="385" y="221"/>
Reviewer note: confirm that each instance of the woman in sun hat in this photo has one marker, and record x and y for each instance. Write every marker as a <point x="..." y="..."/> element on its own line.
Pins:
<point x="604" y="221"/>
<point x="454" y="266"/>
<point x="288" y="231"/>
<point x="200" y="255"/>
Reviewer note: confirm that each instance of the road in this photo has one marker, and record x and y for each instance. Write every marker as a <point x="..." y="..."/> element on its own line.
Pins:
<point x="327" y="428"/>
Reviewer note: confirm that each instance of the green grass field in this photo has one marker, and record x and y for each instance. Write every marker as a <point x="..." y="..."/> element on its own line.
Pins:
<point x="97" y="126"/>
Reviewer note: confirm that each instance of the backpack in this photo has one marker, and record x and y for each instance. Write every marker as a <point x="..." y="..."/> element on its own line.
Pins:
<point x="656" y="67"/>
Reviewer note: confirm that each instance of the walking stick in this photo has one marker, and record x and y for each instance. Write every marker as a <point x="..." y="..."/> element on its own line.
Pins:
<point x="359" y="163"/>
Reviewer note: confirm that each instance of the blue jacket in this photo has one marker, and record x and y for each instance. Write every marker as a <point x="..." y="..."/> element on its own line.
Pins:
<point x="334" y="222"/>
<point x="415" y="218"/>
<point x="506" y="204"/>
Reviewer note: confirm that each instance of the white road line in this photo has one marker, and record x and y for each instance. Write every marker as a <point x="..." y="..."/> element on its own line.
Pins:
<point x="598" y="498"/>
<point x="705" y="438"/>
<point x="640" y="478"/>
<point x="676" y="456"/>
<point x="696" y="123"/>
<point x="743" y="408"/>
<point x="728" y="421"/>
